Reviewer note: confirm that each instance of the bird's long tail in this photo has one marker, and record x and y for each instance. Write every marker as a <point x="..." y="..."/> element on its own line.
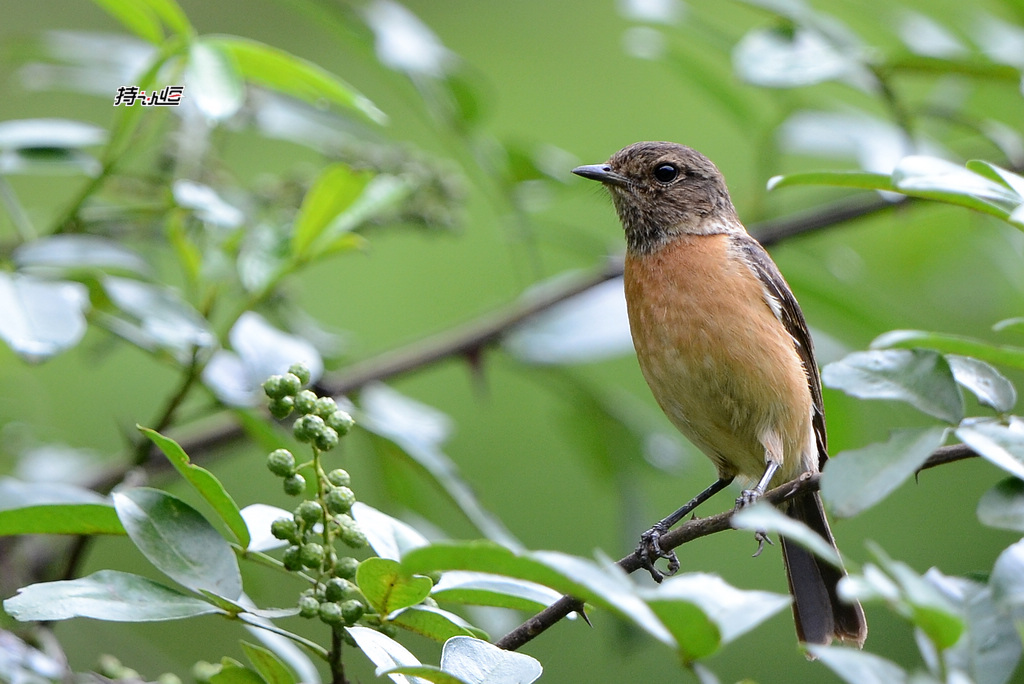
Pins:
<point x="819" y="613"/>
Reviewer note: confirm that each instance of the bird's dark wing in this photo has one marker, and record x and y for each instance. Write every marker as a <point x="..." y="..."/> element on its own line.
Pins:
<point x="787" y="310"/>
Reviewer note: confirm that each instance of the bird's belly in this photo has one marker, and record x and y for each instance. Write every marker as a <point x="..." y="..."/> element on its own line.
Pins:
<point x="711" y="350"/>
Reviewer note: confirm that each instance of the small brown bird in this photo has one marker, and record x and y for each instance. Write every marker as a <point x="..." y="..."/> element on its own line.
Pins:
<point x="725" y="349"/>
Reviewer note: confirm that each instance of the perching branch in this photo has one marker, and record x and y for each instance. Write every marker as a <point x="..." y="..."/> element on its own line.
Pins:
<point x="695" y="529"/>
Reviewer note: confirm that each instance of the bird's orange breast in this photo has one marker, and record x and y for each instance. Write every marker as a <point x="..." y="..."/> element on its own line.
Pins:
<point x="720" y="364"/>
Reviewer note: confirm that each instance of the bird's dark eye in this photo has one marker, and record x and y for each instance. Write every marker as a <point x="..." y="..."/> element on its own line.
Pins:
<point x="666" y="173"/>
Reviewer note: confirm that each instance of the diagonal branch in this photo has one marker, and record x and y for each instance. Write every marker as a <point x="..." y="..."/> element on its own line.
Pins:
<point x="471" y="338"/>
<point x="695" y="529"/>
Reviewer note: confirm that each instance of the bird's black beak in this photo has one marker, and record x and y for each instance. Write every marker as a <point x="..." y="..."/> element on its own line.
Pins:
<point x="602" y="173"/>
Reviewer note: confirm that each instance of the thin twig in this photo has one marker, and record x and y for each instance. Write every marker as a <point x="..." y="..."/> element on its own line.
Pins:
<point x="695" y="529"/>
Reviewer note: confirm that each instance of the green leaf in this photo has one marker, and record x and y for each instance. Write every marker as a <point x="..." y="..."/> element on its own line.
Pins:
<point x="41" y="318"/>
<point x="763" y="517"/>
<point x="104" y="595"/>
<point x="260" y="350"/>
<point x="858" y="667"/>
<point x="60" y="519"/>
<point x="986" y="383"/>
<point x="992" y="649"/>
<point x="388" y="537"/>
<point x="49" y="134"/>
<point x="434" y="623"/>
<point x="842" y="179"/>
<point x="388" y="588"/>
<point x="179" y="541"/>
<point x="78" y="256"/>
<point x="137" y="17"/>
<point x="854" y="481"/>
<point x="910" y="595"/>
<point x="484" y="589"/>
<point x="1002" y="506"/>
<point x="1002" y="444"/>
<point x="703" y="612"/>
<point x="381" y="194"/>
<point x="146" y="18"/>
<point x="333" y="192"/>
<point x="478" y="662"/>
<point x="952" y="344"/>
<point x="172" y="15"/>
<point x="783" y="58"/>
<point x="430" y="673"/>
<point x="291" y="75"/>
<point x="204" y="482"/>
<point x="154" y="318"/>
<point x="919" y="377"/>
<point x="206" y="204"/>
<point x="382" y="650"/>
<point x="1011" y="180"/>
<point x="271" y="668"/>
<point x="602" y="584"/>
<point x="213" y="81"/>
<point x="935" y="178"/>
<point x="233" y="672"/>
<point x="54" y="508"/>
<point x="1007" y="582"/>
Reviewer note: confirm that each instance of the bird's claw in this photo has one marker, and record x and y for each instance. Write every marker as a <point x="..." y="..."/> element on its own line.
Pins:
<point x="747" y="498"/>
<point x="760" y="536"/>
<point x="649" y="551"/>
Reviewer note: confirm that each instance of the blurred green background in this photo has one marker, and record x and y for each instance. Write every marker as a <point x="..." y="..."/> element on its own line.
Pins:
<point x="556" y="79"/>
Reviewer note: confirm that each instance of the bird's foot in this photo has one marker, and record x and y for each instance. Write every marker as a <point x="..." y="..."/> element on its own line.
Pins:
<point x="747" y="498"/>
<point x="649" y="551"/>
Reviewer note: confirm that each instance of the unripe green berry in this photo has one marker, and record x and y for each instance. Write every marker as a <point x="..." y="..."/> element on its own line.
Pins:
<point x="294" y="484"/>
<point x="305" y="401"/>
<point x="339" y="499"/>
<point x="109" y="666"/>
<point x="351" y="611"/>
<point x="308" y="512"/>
<point x="309" y="607"/>
<point x="387" y="629"/>
<point x="277" y="386"/>
<point x="341" y="421"/>
<point x="281" y="408"/>
<point x="281" y="462"/>
<point x="284" y="529"/>
<point x="346" y="567"/>
<point x="168" y="678"/>
<point x="330" y="613"/>
<point x="311" y="555"/>
<point x="300" y="371"/>
<point x="335" y="589"/>
<point x="291" y="558"/>
<point x="288" y="385"/>
<point x="325" y="406"/>
<point x="326" y="439"/>
<point x="308" y="427"/>
<point x="350" y="532"/>
<point x="339" y="478"/>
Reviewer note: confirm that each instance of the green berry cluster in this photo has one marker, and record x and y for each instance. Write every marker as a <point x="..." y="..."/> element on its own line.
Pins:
<point x="318" y="521"/>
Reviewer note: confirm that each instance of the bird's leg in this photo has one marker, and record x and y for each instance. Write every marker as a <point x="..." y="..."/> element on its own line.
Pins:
<point x="749" y="496"/>
<point x="649" y="550"/>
